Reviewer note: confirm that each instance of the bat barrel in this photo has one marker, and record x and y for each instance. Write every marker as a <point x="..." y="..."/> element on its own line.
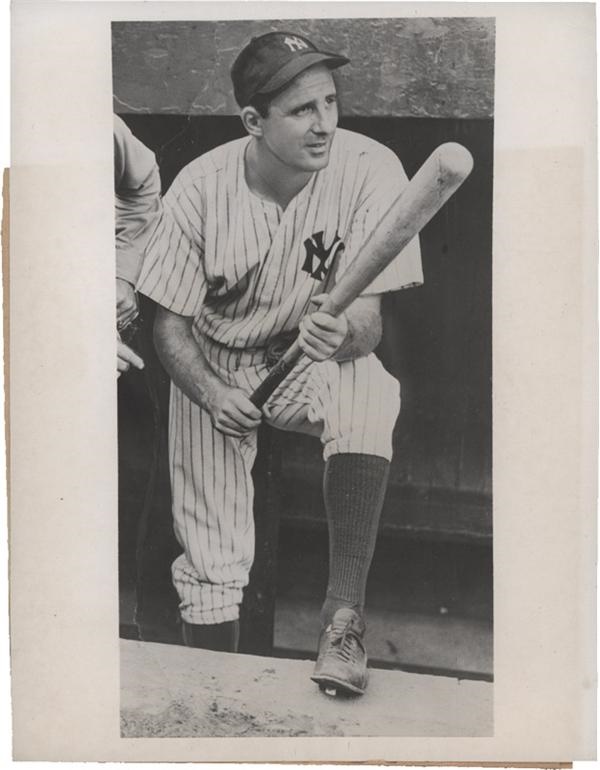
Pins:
<point x="455" y="162"/>
<point x="434" y="183"/>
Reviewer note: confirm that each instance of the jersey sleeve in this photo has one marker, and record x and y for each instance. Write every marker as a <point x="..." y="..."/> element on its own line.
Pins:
<point x="384" y="181"/>
<point x="173" y="269"/>
<point x="137" y="199"/>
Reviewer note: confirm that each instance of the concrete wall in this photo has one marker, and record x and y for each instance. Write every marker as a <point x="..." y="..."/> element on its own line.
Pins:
<point x="440" y="68"/>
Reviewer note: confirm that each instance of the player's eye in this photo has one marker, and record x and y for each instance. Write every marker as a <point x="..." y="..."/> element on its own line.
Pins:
<point x="331" y="99"/>
<point x="303" y="109"/>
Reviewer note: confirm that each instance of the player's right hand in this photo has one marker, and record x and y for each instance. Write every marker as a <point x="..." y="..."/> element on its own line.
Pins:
<point x="233" y="413"/>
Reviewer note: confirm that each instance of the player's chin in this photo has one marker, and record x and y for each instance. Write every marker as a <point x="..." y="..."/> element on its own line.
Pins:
<point x="315" y="160"/>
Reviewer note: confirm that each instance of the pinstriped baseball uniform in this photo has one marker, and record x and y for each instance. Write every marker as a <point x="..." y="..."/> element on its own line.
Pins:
<point x="245" y="270"/>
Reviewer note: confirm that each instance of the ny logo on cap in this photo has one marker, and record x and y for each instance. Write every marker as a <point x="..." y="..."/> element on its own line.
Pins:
<point x="295" y="43"/>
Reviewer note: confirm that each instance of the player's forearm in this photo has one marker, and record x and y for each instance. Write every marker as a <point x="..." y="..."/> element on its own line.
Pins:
<point x="364" y="332"/>
<point x="183" y="358"/>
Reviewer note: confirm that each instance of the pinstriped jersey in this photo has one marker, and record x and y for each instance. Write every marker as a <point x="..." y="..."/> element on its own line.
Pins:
<point x="243" y="267"/>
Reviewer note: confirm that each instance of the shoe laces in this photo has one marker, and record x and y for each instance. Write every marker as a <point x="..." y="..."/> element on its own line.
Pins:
<point x="346" y="639"/>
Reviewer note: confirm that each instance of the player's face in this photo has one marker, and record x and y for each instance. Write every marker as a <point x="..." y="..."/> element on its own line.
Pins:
<point x="302" y="120"/>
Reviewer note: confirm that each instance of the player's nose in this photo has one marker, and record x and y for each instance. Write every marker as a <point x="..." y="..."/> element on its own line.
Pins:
<point x="325" y="120"/>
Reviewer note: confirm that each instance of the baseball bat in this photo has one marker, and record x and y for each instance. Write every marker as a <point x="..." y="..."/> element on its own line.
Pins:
<point x="437" y="180"/>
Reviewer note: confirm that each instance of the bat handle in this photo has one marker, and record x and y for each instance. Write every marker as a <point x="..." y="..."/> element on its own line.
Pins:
<point x="287" y="362"/>
<point x="276" y="376"/>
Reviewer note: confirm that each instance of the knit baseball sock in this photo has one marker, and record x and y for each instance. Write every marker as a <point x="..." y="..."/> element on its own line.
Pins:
<point x="221" y="637"/>
<point x="354" y="488"/>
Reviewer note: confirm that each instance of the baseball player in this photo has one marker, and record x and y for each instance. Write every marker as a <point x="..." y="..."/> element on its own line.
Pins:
<point x="250" y="233"/>
<point x="137" y="209"/>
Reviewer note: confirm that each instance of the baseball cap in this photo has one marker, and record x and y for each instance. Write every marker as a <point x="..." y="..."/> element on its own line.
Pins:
<point x="270" y="61"/>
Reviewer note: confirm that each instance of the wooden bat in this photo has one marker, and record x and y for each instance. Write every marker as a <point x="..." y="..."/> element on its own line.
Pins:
<point x="438" y="178"/>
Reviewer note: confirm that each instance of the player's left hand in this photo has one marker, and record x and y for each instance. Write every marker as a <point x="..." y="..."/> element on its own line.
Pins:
<point x="321" y="334"/>
<point x="127" y="307"/>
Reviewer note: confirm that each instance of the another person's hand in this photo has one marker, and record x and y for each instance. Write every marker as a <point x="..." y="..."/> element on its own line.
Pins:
<point x="232" y="412"/>
<point x="321" y="334"/>
<point x="126" y="358"/>
<point x="127" y="306"/>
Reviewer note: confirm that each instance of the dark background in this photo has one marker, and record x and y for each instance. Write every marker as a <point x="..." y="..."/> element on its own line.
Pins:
<point x="416" y="84"/>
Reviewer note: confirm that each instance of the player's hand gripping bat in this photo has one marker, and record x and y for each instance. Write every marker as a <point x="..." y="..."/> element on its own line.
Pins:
<point x="438" y="178"/>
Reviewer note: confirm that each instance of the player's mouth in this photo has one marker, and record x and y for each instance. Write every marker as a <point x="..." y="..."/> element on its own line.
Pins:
<point x="318" y="148"/>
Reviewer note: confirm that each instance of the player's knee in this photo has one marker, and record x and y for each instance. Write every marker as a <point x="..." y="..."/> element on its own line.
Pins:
<point x="383" y="394"/>
<point x="367" y="427"/>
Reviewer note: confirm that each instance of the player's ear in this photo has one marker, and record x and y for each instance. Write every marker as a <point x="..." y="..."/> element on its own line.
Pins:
<point x="252" y="121"/>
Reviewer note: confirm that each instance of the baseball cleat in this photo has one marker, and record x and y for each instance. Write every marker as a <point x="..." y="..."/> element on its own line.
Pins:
<point x="341" y="667"/>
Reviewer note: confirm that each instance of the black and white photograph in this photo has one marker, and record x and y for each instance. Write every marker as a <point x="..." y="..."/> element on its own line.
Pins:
<point x="303" y="232"/>
<point x="301" y="379"/>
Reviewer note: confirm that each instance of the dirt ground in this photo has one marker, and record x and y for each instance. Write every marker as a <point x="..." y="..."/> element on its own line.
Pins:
<point x="219" y="719"/>
<point x="172" y="691"/>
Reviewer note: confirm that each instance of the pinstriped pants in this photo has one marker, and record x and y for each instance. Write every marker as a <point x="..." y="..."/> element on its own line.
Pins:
<point x="352" y="406"/>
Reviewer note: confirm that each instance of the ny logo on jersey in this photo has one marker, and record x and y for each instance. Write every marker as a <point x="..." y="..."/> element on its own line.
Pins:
<point x="315" y="248"/>
<point x="295" y="43"/>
